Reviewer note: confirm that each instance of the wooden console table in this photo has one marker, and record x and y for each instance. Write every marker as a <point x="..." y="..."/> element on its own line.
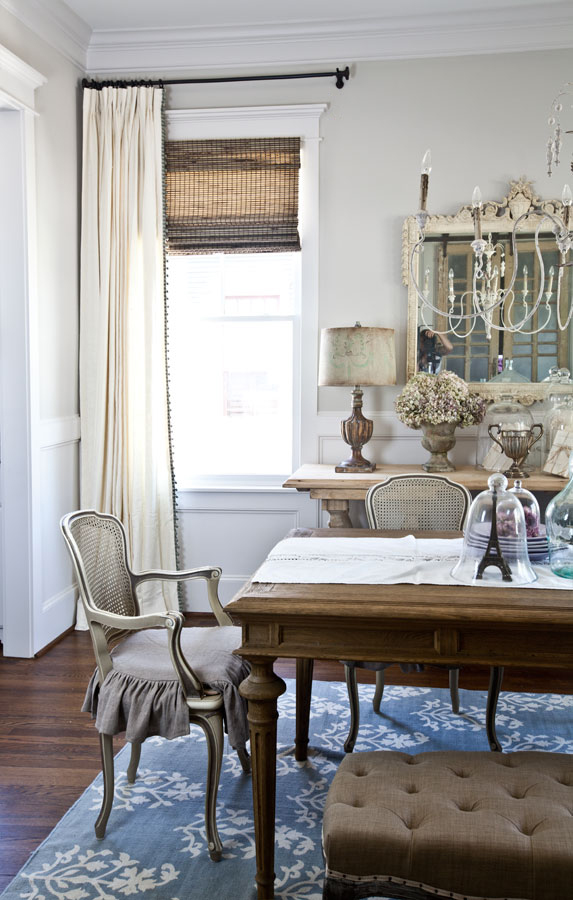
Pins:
<point x="336" y="489"/>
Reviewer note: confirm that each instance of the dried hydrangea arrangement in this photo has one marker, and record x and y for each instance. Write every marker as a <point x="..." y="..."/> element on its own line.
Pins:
<point x="435" y="399"/>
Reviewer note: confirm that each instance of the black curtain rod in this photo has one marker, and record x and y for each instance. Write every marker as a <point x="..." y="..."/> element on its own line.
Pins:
<point x="341" y="76"/>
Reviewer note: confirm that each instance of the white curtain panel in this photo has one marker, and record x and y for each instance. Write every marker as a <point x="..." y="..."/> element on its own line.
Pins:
<point x="125" y="458"/>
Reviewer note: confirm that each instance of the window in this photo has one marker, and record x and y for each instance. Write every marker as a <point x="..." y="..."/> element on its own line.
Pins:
<point x="242" y="326"/>
<point x="234" y="325"/>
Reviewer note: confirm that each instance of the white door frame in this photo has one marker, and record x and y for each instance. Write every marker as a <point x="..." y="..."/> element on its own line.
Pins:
<point x="20" y="547"/>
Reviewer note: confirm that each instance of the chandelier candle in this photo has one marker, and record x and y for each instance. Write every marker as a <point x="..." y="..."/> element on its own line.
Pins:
<point x="566" y="198"/>
<point x="476" y="207"/>
<point x="425" y="178"/>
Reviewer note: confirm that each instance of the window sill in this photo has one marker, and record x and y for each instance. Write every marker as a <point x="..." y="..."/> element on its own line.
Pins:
<point x="246" y="486"/>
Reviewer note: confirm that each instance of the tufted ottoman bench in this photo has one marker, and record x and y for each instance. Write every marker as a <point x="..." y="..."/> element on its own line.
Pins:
<point x="469" y="826"/>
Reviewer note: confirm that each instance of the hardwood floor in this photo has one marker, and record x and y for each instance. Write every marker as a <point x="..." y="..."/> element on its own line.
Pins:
<point x="48" y="748"/>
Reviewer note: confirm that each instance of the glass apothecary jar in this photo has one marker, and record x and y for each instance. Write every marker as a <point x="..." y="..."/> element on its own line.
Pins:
<point x="509" y="375"/>
<point x="510" y="415"/>
<point x="559" y="418"/>
<point x="559" y="525"/>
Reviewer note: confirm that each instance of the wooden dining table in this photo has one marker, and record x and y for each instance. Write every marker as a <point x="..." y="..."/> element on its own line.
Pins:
<point x="453" y="624"/>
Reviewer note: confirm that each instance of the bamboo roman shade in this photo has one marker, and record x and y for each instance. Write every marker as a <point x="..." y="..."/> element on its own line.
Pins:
<point x="232" y="196"/>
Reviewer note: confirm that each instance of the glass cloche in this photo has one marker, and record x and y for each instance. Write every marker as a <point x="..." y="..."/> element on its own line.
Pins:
<point x="531" y="509"/>
<point x="510" y="415"/>
<point x="559" y="525"/>
<point x="495" y="554"/>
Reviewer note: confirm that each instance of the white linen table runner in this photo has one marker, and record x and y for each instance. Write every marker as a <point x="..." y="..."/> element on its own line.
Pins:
<point x="405" y="560"/>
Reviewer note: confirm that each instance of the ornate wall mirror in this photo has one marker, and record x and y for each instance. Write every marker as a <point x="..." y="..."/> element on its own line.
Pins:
<point x="507" y="361"/>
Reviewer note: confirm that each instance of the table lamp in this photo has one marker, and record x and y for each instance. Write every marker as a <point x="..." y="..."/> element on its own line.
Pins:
<point x="360" y="357"/>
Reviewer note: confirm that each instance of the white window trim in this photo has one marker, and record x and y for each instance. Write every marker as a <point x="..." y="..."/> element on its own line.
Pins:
<point x="260" y="122"/>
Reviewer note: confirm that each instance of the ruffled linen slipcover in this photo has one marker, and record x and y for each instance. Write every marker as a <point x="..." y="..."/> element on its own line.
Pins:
<point x="142" y="694"/>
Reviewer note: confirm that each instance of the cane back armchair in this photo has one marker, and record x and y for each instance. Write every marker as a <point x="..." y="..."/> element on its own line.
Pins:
<point x="153" y="676"/>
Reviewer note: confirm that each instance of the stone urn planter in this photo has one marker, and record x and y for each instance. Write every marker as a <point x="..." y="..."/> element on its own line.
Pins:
<point x="439" y="439"/>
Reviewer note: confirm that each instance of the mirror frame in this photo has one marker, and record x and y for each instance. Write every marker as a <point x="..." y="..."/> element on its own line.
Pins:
<point x="496" y="217"/>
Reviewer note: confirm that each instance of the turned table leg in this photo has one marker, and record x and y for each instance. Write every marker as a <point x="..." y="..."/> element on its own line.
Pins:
<point x="304" y="670"/>
<point x="338" y="509"/>
<point x="261" y="689"/>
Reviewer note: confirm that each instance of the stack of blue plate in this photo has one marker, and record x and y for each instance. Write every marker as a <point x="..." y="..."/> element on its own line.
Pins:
<point x="536" y="546"/>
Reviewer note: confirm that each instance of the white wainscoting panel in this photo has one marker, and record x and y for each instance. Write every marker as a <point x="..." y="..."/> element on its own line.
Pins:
<point x="59" y="466"/>
<point x="235" y="530"/>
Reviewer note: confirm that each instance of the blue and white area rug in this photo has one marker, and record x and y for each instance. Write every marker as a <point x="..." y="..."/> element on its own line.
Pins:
<point x="155" y="842"/>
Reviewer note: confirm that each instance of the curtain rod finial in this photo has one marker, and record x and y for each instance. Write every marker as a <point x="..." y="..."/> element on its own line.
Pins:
<point x="341" y="75"/>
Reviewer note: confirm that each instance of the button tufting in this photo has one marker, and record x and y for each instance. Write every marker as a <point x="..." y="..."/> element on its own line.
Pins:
<point x="488" y="794"/>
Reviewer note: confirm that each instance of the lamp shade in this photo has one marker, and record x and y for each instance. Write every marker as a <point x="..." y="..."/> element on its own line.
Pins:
<point x="351" y="356"/>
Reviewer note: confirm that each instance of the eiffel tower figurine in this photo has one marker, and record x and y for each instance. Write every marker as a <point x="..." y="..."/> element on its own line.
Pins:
<point x="493" y="555"/>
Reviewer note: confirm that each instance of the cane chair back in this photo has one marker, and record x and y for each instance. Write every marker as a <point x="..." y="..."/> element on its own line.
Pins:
<point x="417" y="502"/>
<point x="97" y="544"/>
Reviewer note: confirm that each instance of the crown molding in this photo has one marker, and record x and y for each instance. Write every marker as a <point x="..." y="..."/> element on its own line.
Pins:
<point x="55" y="23"/>
<point x="545" y="26"/>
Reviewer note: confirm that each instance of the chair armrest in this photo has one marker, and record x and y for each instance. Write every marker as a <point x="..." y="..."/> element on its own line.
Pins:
<point x="133" y="623"/>
<point x="172" y="621"/>
<point x="180" y="575"/>
<point x="211" y="574"/>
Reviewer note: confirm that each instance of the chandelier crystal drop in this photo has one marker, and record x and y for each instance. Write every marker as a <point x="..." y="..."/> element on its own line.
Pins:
<point x="510" y="308"/>
<point x="555" y="141"/>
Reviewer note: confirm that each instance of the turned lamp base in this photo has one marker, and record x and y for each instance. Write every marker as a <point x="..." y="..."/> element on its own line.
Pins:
<point x="353" y="466"/>
<point x="356" y="431"/>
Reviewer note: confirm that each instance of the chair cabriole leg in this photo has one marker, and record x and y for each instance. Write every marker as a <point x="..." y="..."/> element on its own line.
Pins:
<point x="244" y="759"/>
<point x="495" y="680"/>
<point x="106" y="747"/>
<point x="350" y="675"/>
<point x="213" y="728"/>
<point x="454" y="678"/>
<point x="133" y="761"/>
<point x="377" y="699"/>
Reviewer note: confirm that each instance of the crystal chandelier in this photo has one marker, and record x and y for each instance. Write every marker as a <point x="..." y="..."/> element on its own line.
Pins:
<point x="500" y="308"/>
